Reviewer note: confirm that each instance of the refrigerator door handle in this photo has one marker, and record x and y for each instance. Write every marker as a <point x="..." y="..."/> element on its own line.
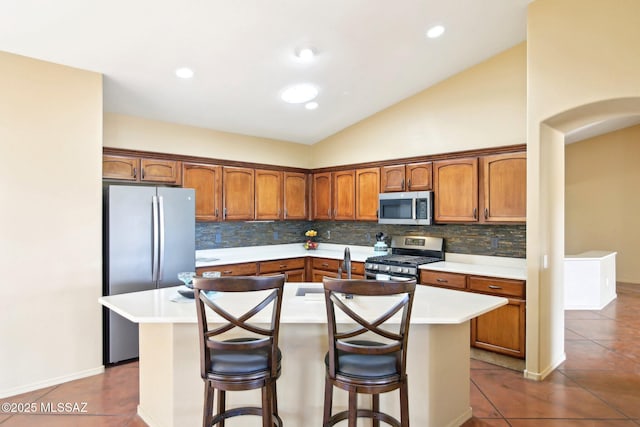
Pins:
<point x="155" y="240"/>
<point x="161" y="229"/>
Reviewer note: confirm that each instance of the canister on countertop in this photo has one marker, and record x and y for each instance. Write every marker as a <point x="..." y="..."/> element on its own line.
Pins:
<point x="380" y="248"/>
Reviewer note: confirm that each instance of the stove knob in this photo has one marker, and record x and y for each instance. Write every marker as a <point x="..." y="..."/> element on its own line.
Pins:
<point x="386" y="268"/>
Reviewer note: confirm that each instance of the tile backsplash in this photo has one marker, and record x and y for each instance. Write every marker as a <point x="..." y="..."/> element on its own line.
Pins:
<point x="492" y="240"/>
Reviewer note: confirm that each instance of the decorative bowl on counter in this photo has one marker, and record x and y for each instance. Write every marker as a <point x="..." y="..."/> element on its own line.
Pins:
<point x="309" y="245"/>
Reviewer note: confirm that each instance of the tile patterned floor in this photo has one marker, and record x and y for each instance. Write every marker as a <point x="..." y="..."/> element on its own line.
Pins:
<point x="597" y="386"/>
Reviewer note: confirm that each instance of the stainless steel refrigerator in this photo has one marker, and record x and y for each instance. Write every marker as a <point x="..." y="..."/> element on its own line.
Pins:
<point x="149" y="236"/>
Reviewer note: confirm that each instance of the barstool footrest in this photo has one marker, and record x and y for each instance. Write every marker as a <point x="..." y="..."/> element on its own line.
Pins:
<point x="363" y="413"/>
<point x="245" y="410"/>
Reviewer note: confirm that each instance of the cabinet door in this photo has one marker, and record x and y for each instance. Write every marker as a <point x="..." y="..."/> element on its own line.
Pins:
<point x="419" y="176"/>
<point x="268" y="194"/>
<point x="322" y="196"/>
<point x="237" y="194"/>
<point x="443" y="279"/>
<point x="165" y="171"/>
<point x="456" y="190"/>
<point x="344" y="195"/>
<point x="367" y="190"/>
<point x="120" y="167"/>
<point x="295" y="195"/>
<point x="207" y="182"/>
<point x="392" y="178"/>
<point x="503" y="191"/>
<point x="501" y="330"/>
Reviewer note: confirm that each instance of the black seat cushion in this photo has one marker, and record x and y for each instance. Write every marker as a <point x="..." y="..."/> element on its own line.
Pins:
<point x="232" y="362"/>
<point x="365" y="365"/>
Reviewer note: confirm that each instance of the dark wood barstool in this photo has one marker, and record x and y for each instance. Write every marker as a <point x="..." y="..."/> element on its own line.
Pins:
<point x="241" y="363"/>
<point x="375" y="361"/>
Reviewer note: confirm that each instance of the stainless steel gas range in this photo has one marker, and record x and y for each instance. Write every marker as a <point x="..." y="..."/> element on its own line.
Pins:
<point x="407" y="254"/>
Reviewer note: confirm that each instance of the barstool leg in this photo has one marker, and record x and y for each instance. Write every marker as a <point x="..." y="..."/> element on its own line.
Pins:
<point x="375" y="406"/>
<point x="353" y="409"/>
<point x="328" y="401"/>
<point x="267" y="411"/>
<point x="274" y="400"/>
<point x="207" y="416"/>
<point x="404" y="404"/>
<point x="221" y="405"/>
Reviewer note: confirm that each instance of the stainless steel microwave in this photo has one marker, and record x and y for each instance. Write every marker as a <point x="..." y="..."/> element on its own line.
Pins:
<point x="410" y="207"/>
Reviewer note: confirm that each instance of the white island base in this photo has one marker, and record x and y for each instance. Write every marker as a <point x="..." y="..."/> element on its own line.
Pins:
<point x="438" y="363"/>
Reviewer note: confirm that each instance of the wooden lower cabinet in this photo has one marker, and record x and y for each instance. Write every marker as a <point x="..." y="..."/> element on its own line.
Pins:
<point x="501" y="330"/>
<point x="242" y="269"/>
<point x="292" y="268"/>
<point x="327" y="267"/>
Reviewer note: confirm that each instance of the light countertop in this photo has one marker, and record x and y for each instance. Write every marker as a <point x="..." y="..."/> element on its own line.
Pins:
<point x="213" y="257"/>
<point x="504" y="272"/>
<point x="431" y="305"/>
<point x="590" y="255"/>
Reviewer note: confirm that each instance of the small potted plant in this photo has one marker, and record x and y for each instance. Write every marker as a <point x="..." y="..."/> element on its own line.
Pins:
<point x="311" y="244"/>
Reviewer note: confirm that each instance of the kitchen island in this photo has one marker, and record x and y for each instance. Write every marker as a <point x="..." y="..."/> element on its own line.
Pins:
<point x="438" y="363"/>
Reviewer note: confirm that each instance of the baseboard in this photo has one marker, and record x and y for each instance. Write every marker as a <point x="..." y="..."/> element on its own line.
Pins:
<point x="466" y="415"/>
<point x="50" y="382"/>
<point x="539" y="376"/>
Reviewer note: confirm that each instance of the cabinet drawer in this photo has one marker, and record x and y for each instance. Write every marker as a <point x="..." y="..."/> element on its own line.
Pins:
<point x="501" y="287"/>
<point x="281" y="265"/>
<point x="326" y="264"/>
<point x="244" y="269"/>
<point x="357" y="268"/>
<point x="438" y="278"/>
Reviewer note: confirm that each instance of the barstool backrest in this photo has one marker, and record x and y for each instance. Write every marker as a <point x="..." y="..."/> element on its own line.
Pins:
<point x="392" y="339"/>
<point x="266" y="333"/>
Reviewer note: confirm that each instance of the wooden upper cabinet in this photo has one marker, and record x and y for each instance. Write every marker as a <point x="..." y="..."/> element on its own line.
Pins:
<point x="409" y="177"/>
<point x="155" y="170"/>
<point x="419" y="176"/>
<point x="120" y="167"/>
<point x="268" y="200"/>
<point x="344" y="195"/>
<point x="456" y="190"/>
<point x="503" y="189"/>
<point x="322" y="196"/>
<point x="392" y="178"/>
<point x="238" y="193"/>
<point x="367" y="190"/>
<point x="131" y="168"/>
<point x="207" y="182"/>
<point x="295" y="195"/>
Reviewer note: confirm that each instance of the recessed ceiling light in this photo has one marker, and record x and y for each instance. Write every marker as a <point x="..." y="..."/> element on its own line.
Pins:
<point x="305" y="53"/>
<point x="184" y="73"/>
<point x="311" y="105"/>
<point x="300" y="93"/>
<point x="435" y="31"/>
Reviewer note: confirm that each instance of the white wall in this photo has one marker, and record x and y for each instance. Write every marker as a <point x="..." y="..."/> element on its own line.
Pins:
<point x="50" y="242"/>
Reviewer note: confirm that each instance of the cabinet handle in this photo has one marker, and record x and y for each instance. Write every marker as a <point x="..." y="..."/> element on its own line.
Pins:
<point x="325" y="264"/>
<point x="409" y="184"/>
<point x="283" y="265"/>
<point x="224" y="213"/>
<point x="475" y="213"/>
<point x="402" y="183"/>
<point x="329" y="212"/>
<point x="227" y="271"/>
<point x="495" y="287"/>
<point x="135" y="173"/>
<point x="285" y="213"/>
<point x="217" y="212"/>
<point x="141" y="173"/>
<point x="486" y="213"/>
<point x="441" y="280"/>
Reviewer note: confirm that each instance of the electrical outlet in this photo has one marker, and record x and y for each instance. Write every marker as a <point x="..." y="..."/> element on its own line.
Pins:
<point x="494" y="242"/>
<point x="328" y="234"/>
<point x="218" y="238"/>
<point x="275" y="235"/>
<point x="368" y="237"/>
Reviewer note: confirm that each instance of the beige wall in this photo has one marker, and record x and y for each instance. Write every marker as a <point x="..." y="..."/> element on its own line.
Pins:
<point x="582" y="55"/>
<point x="50" y="244"/>
<point x="601" y="207"/>
<point x="483" y="106"/>
<point x="121" y="131"/>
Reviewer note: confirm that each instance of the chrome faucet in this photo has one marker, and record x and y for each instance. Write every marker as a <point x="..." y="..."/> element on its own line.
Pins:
<point x="346" y="263"/>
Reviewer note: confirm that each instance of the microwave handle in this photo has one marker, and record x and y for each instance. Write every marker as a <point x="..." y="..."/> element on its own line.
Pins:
<point x="414" y="209"/>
